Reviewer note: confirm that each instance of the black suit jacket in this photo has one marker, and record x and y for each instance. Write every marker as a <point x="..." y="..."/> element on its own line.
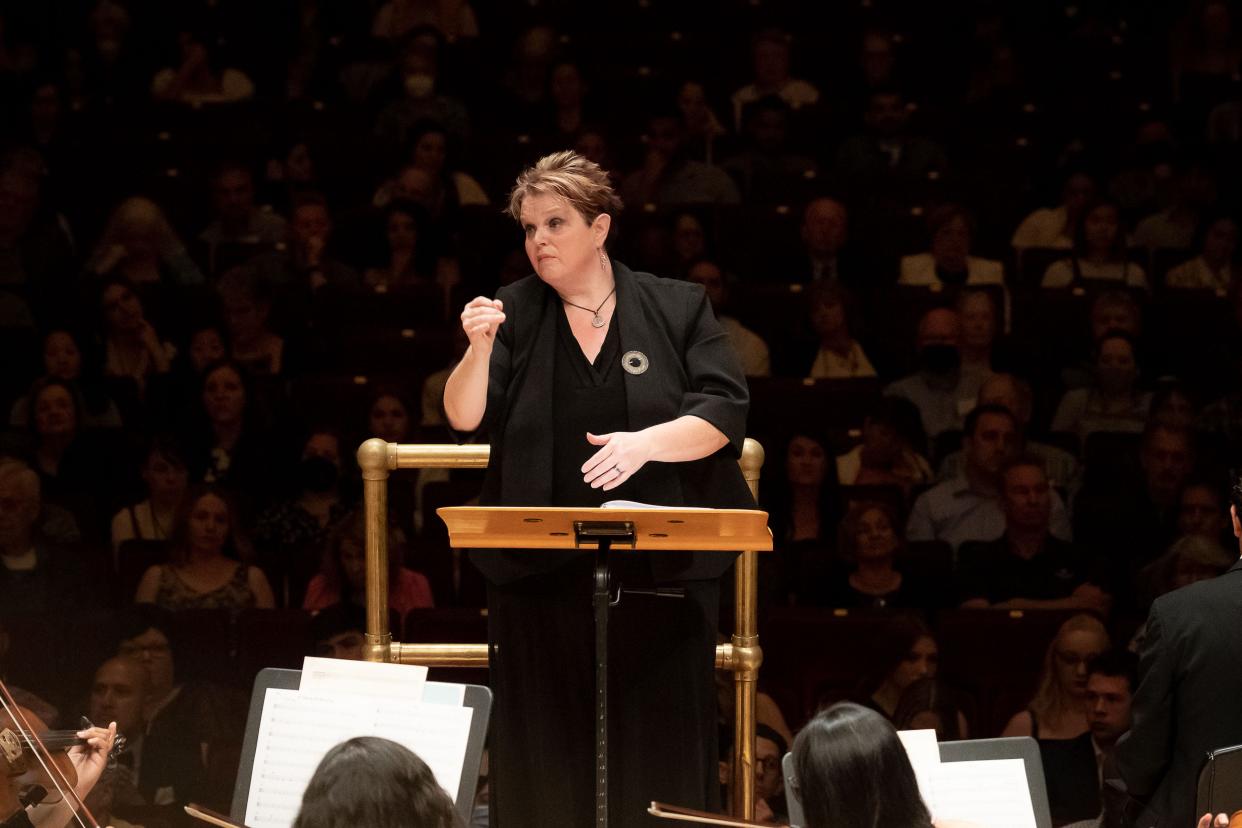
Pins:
<point x="692" y="369"/>
<point x="1189" y="697"/>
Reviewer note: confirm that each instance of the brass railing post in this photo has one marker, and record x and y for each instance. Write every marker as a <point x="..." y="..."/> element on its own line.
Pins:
<point x="742" y="655"/>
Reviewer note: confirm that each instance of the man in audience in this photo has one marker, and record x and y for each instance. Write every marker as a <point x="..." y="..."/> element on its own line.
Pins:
<point x="1201" y="511"/>
<point x="1111" y="681"/>
<point x="117" y="695"/>
<point x="669" y="177"/>
<point x="307" y="264"/>
<point x="1014" y="394"/>
<point x="239" y="221"/>
<point x="36" y="247"/>
<point x="1026" y="567"/>
<point x="824" y="256"/>
<point x="1186" y="703"/>
<point x="753" y="351"/>
<point x="938" y="388"/>
<point x="968" y="507"/>
<point x="338" y="632"/>
<point x="770" y="748"/>
<point x="35" y="574"/>
<point x="772" y="77"/>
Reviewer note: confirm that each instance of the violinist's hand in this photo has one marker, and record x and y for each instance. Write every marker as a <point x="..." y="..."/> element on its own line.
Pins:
<point x="89" y="760"/>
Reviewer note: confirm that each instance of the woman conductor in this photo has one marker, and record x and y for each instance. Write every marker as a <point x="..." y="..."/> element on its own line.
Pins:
<point x="595" y="382"/>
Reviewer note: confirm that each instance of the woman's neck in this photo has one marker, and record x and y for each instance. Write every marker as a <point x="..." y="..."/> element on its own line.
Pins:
<point x="592" y="290"/>
<point x="200" y="555"/>
<point x="227" y="433"/>
<point x="887" y="696"/>
<point x="839" y="342"/>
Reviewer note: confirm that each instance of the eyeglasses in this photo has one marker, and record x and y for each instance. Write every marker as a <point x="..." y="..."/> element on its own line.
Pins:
<point x="768" y="764"/>
<point x="1075" y="659"/>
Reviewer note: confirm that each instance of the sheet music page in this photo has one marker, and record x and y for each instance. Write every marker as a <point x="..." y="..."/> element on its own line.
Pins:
<point x="299" y="728"/>
<point x="634" y="504"/>
<point x="365" y="678"/>
<point x="924" y="755"/>
<point x="991" y="793"/>
<point x="442" y="692"/>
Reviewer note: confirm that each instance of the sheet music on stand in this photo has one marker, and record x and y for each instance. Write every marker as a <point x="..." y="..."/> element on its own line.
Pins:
<point x="297" y="717"/>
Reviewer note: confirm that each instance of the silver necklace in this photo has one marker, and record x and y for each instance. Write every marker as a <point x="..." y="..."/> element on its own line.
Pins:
<point x="597" y="321"/>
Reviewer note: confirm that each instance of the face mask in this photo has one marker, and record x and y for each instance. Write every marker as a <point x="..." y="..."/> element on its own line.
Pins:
<point x="419" y="85"/>
<point x="318" y="474"/>
<point x="940" y="360"/>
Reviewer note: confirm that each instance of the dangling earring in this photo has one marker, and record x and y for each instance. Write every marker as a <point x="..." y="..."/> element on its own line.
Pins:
<point x="603" y="260"/>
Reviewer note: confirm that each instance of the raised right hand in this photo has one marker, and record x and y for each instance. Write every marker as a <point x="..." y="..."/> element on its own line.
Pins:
<point x="480" y="319"/>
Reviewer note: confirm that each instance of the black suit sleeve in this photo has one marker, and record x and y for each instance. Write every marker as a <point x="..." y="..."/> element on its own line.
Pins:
<point x="1143" y="754"/>
<point x="717" y="390"/>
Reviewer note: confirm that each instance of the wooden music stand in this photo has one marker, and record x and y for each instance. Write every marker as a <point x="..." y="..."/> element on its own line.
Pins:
<point x="654" y="530"/>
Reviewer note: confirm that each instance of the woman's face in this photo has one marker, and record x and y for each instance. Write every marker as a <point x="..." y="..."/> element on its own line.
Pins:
<point x="165" y="478"/>
<point x="209" y="524"/>
<point x="402" y="232"/>
<point x="224" y="396"/>
<point x="299" y="166"/>
<point x="1101" y="227"/>
<point x="1116" y="366"/>
<point x="1221" y="242"/>
<point x="560" y="244"/>
<point x="61" y="357"/>
<point x="689" y="239"/>
<point x="978" y="321"/>
<point x="354" y="563"/>
<point x="876" y="539"/>
<point x="692" y="101"/>
<point x="1073" y="653"/>
<point x="430" y="152"/>
<point x="805" y="462"/>
<point x="54" y="412"/>
<point x="921" y="662"/>
<point x="206" y="347"/>
<point x="122" y="309"/>
<point x="244" y="316"/>
<point x="389" y="419"/>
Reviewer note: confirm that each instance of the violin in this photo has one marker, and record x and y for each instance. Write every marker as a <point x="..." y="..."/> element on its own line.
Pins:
<point x="17" y="745"/>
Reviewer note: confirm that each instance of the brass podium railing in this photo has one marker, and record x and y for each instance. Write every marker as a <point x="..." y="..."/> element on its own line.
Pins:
<point x="741" y="656"/>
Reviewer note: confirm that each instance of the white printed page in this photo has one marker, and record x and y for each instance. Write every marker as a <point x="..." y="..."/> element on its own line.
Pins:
<point x="299" y="728"/>
<point x="924" y="754"/>
<point x="366" y="678"/>
<point x="990" y="793"/>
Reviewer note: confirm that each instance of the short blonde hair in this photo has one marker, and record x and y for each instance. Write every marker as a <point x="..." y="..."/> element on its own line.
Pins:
<point x="567" y="175"/>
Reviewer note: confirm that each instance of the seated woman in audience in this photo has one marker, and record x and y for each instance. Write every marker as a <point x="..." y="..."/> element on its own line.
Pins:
<point x="689" y="242"/>
<point x="1215" y="267"/>
<point x="1172" y="405"/>
<point x="949" y="262"/>
<point x="246" y="297"/>
<point x="887" y="454"/>
<point x="369" y="782"/>
<point x="412" y="258"/>
<point x="205" y="568"/>
<point x="804" y="509"/>
<point x="201" y="77"/>
<point x="62" y="360"/>
<point x="1098" y="255"/>
<point x="343" y="576"/>
<point x="870" y="539"/>
<point x="226" y="444"/>
<point x="164" y="474"/>
<point x="839" y="355"/>
<point x="930" y="704"/>
<point x="853" y="772"/>
<point x="1113" y="402"/>
<point x="1057" y="718"/>
<point x="450" y="189"/>
<point x="905" y="652"/>
<point x="206" y="345"/>
<point x="140" y="245"/>
<point x="290" y="534"/>
<point x="1054" y="226"/>
<point x="133" y="350"/>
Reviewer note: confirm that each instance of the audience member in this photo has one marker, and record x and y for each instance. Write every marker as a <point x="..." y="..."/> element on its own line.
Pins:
<point x="246" y="297"/>
<point x="852" y="770"/>
<point x="771" y="62"/>
<point x="938" y="388"/>
<point x="165" y="475"/>
<point x="1015" y="395"/>
<point x="1026" y="567"/>
<point x="238" y="222"/>
<point x="969" y="507"/>
<point x="416" y="96"/>
<point x="1191" y="558"/>
<point x="1215" y="267"/>
<point x="1099" y="253"/>
<point x="390" y="418"/>
<point x="769" y="170"/>
<point x="342" y="577"/>
<point x="205" y="568"/>
<point x="62" y="360"/>
<point x="412" y="256"/>
<point x="1059" y="720"/>
<point x="118" y="692"/>
<point x="750" y="347"/>
<point x="308" y="262"/>
<point x="1202" y="511"/>
<point x="139" y="245"/>
<point x="804" y="509"/>
<point x="870" y="539"/>
<point x="226" y="444"/>
<point x="133" y="349"/>
<point x="889" y="452"/>
<point x="977" y="346"/>
<point x="904" y="652"/>
<point x="201" y="77"/>
<point x="887" y="159"/>
<point x="669" y="177"/>
<point x="1112" y="310"/>
<point x="369" y="782"/>
<point x="36" y="244"/>
<point x="929" y="704"/>
<point x="450" y="188"/>
<point x="702" y="128"/>
<point x="339" y="631"/>
<point x="397" y="18"/>
<point x="1111" y="681"/>
<point x="949" y="262"/>
<point x="1113" y="402"/>
<point x="770" y="749"/>
<point x="1054" y="227"/>
<point x="1176" y="226"/>
<point x="839" y="355"/>
<point x="824" y="256"/>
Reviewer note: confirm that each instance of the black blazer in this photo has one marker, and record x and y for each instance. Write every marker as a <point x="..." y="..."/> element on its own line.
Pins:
<point x="1189" y="697"/>
<point x="692" y="369"/>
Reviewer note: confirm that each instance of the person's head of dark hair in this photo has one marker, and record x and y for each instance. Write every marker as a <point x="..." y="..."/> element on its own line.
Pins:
<point x="168" y="447"/>
<point x="900" y="415"/>
<point x="1093" y="220"/>
<point x="852" y="772"/>
<point x="229" y="364"/>
<point x="977" y="413"/>
<point x="103" y="307"/>
<point x="942" y="214"/>
<point x="138" y="619"/>
<point x="852" y="525"/>
<point x="928" y="696"/>
<point x="40" y="389"/>
<point x="336" y="620"/>
<point x="895" y="644"/>
<point x="763" y="731"/>
<point x="1116" y="663"/>
<point x="369" y="782"/>
<point x="417" y="153"/>
<point x="230" y="166"/>
<point x="235" y="545"/>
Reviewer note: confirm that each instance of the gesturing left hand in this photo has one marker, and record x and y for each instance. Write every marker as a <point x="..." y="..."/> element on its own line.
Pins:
<point x="621" y="455"/>
<point x="89" y="760"/>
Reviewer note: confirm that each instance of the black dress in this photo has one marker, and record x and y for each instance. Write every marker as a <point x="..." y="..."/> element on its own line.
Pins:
<point x="662" y="737"/>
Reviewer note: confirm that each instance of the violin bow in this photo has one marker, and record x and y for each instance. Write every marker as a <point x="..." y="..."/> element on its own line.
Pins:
<point x="59" y="780"/>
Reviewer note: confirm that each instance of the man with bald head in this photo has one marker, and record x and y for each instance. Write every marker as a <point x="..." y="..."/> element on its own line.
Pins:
<point x="1015" y="395"/>
<point x="943" y="395"/>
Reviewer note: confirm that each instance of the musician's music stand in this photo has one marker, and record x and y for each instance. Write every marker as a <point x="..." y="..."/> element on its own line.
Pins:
<point x="653" y="530"/>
